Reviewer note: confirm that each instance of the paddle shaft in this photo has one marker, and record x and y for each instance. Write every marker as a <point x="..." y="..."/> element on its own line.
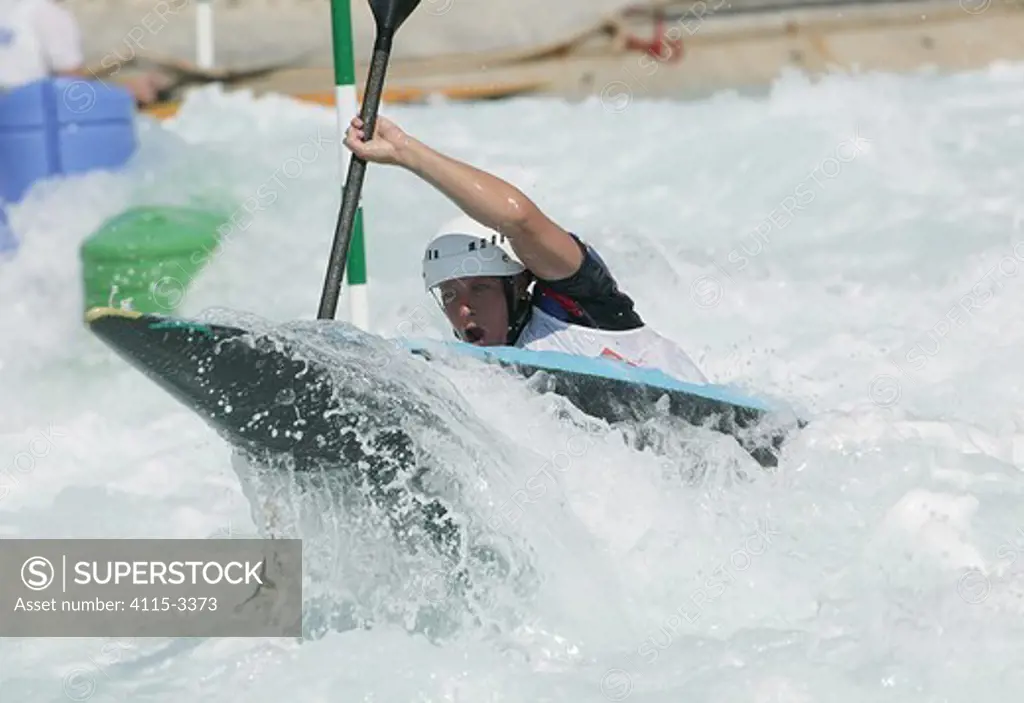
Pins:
<point x="354" y="180"/>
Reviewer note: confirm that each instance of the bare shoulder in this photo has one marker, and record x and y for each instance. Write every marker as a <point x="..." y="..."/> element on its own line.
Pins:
<point x="545" y="247"/>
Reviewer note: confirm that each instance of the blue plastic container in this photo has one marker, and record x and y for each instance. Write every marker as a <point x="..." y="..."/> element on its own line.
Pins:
<point x="62" y="126"/>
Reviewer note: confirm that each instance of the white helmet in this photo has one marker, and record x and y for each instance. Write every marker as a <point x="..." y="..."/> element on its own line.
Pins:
<point x="464" y="248"/>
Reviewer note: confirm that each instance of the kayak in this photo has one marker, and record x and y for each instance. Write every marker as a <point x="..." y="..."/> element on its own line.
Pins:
<point x="236" y="381"/>
<point x="271" y="397"/>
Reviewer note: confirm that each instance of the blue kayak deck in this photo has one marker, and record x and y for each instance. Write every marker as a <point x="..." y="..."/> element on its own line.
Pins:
<point x="595" y="366"/>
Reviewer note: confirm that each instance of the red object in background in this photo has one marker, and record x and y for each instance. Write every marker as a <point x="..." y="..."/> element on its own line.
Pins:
<point x="659" y="47"/>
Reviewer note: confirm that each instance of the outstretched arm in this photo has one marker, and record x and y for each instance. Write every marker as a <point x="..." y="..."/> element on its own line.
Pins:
<point x="545" y="248"/>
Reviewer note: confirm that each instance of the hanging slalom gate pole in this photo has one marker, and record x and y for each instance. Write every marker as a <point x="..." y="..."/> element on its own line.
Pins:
<point x="204" y="34"/>
<point x="389" y="16"/>
<point x="347" y="106"/>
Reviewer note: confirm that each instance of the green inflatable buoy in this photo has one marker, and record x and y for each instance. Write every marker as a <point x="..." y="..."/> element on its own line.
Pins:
<point x="146" y="257"/>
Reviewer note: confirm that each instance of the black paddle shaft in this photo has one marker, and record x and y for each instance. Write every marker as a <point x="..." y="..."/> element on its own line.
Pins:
<point x="353" y="186"/>
<point x="389" y="14"/>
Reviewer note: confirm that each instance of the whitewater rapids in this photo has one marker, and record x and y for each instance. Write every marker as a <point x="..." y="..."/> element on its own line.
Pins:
<point x="853" y="246"/>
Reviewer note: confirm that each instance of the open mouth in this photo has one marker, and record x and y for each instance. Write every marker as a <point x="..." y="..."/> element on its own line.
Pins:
<point x="473" y="334"/>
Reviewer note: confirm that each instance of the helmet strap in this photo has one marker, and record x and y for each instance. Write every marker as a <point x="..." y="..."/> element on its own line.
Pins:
<point x="519" y="309"/>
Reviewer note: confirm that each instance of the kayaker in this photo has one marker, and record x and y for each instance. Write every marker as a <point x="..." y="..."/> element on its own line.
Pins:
<point x="506" y="274"/>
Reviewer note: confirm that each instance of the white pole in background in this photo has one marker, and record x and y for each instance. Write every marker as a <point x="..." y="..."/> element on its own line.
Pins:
<point x="204" y="34"/>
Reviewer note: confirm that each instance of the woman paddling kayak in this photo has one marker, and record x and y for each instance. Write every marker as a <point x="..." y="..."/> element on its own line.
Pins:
<point x="506" y="274"/>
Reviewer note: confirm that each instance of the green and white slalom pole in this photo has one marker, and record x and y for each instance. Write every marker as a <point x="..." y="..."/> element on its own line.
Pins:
<point x="389" y="15"/>
<point x="347" y="104"/>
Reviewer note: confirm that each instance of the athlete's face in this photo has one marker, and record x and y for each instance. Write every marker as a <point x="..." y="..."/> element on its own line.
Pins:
<point x="476" y="309"/>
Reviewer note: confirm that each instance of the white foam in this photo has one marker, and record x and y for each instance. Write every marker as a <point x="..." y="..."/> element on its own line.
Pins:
<point x="844" y="576"/>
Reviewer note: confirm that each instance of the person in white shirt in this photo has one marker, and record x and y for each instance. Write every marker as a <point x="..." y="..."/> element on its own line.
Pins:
<point x="506" y="274"/>
<point x="41" y="39"/>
